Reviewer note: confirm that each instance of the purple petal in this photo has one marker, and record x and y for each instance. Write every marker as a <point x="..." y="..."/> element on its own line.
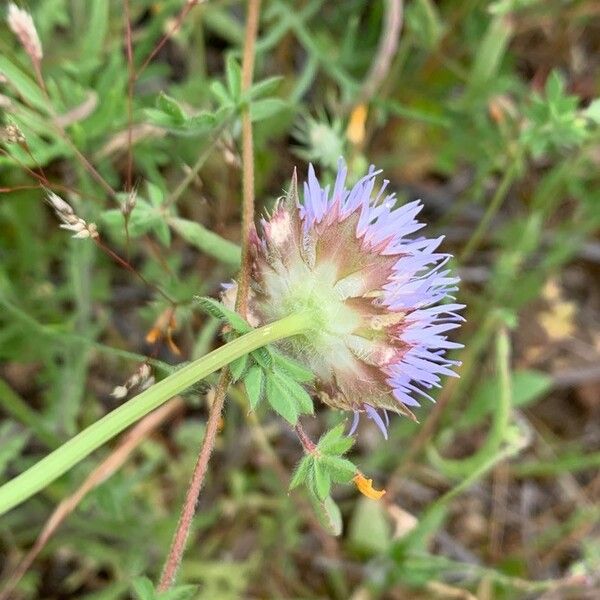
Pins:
<point x="354" y="425"/>
<point x="374" y="416"/>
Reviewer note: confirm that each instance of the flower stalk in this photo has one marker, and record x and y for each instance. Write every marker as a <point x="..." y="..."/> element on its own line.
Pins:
<point x="76" y="449"/>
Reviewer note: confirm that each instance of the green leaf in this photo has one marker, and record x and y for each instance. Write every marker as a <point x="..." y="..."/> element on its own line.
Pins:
<point x="322" y="479"/>
<point x="280" y="401"/>
<point x="202" y="121"/>
<point x="329" y="514"/>
<point x="26" y="87"/>
<point x="370" y="531"/>
<point x="238" y="367"/>
<point x="490" y="52"/>
<point x="264" y="87"/>
<point x="292" y="367"/>
<point x="155" y="194"/>
<point x="555" y="88"/>
<point x="335" y="442"/>
<point x="181" y="592"/>
<point x="207" y="241"/>
<point x="592" y="112"/>
<point x="233" y="73"/>
<point x="143" y="588"/>
<point x="253" y="382"/>
<point x="423" y="19"/>
<point x="302" y="471"/>
<point x="219" y="91"/>
<point x="340" y="469"/>
<point x="11" y="443"/>
<point x="264" y="109"/>
<point x="93" y="39"/>
<point x="297" y="392"/>
<point x="262" y="357"/>
<point x="171" y="107"/>
<point x="216" y="309"/>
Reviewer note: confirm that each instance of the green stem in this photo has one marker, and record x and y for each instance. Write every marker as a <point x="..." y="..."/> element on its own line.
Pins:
<point x="496" y="202"/>
<point x="76" y="449"/>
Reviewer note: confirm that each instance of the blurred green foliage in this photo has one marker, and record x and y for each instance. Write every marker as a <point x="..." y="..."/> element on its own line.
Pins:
<point x="489" y="112"/>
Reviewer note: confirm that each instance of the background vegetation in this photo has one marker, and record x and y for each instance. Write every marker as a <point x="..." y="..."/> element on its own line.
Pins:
<point x="486" y="111"/>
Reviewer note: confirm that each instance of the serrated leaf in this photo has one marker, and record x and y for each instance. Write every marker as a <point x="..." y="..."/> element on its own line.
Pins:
<point x="253" y="382"/>
<point x="302" y="471"/>
<point x="214" y="308"/>
<point x="340" y="446"/>
<point x="332" y="437"/>
<point x="341" y="470"/>
<point x="238" y="367"/>
<point x="322" y="479"/>
<point x="292" y="367"/>
<point x="297" y="392"/>
<point x="280" y="401"/>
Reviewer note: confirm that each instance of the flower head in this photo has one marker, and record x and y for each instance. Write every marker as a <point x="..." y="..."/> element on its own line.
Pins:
<point x="69" y="220"/>
<point x="22" y="25"/>
<point x="376" y="294"/>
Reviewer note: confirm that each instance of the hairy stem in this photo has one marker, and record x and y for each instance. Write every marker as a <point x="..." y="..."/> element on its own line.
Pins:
<point x="241" y="303"/>
<point x="388" y="44"/>
<point x="76" y="449"/>
<point x="189" y="506"/>
<point x="191" y="498"/>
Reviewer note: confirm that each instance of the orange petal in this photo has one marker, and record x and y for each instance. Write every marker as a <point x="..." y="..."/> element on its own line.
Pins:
<point x="365" y="487"/>
<point x="153" y="335"/>
<point x="172" y="345"/>
<point x="356" y="127"/>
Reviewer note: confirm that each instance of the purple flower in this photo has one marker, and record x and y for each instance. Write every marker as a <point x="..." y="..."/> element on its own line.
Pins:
<point x="381" y="299"/>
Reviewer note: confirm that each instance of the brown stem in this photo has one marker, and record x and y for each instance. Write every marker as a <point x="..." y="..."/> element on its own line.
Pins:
<point x="191" y="498"/>
<point x="308" y="445"/>
<point x="388" y="43"/>
<point x="189" y="506"/>
<point x="131" y="269"/>
<point x="241" y="303"/>
<point x="129" y="46"/>
<point x="176" y="25"/>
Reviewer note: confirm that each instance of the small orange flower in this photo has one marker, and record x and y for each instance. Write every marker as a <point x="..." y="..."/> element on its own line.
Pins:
<point x="164" y="327"/>
<point x="356" y="127"/>
<point x="365" y="487"/>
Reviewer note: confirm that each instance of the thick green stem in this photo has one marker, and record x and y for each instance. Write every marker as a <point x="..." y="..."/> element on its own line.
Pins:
<point x="76" y="449"/>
